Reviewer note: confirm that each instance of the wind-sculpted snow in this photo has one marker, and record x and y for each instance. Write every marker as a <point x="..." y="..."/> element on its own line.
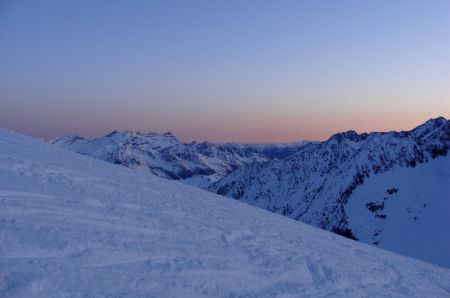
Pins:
<point x="315" y="184"/>
<point x="74" y="226"/>
<point x="195" y="163"/>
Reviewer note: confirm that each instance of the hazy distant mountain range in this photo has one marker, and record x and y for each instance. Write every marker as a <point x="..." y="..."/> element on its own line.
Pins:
<point x="390" y="189"/>
<point x="164" y="155"/>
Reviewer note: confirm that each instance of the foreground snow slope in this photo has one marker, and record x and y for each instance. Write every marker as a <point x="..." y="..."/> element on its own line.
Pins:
<point x="75" y="226"/>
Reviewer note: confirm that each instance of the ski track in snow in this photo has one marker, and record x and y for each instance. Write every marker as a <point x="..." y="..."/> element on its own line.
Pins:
<point x="72" y="226"/>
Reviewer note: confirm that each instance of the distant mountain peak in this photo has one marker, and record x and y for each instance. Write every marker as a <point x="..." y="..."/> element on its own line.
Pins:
<point x="113" y="133"/>
<point x="151" y="134"/>
<point x="68" y="139"/>
<point x="350" y="135"/>
<point x="434" y="122"/>
<point x="430" y="127"/>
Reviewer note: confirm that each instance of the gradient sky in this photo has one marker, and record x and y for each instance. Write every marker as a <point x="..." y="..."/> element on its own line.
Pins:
<point x="245" y="71"/>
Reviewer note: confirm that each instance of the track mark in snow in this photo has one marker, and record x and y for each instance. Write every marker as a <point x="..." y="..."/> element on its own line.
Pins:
<point x="116" y="261"/>
<point x="131" y="206"/>
<point x="236" y="236"/>
<point x="10" y="193"/>
<point x="95" y="203"/>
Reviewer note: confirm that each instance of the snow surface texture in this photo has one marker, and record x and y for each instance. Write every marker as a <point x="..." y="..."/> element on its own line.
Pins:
<point x="74" y="226"/>
<point x="315" y="185"/>
<point x="162" y="154"/>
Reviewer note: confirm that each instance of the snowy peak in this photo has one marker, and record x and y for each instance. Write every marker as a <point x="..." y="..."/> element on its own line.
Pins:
<point x="350" y="135"/>
<point x="153" y="139"/>
<point x="68" y="140"/>
<point x="432" y="126"/>
<point x="150" y="140"/>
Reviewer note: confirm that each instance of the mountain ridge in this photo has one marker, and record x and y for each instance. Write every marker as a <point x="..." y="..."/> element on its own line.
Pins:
<point x="315" y="184"/>
<point x="197" y="163"/>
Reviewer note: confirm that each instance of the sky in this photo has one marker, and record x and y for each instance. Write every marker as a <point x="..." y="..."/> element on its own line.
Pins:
<point x="223" y="71"/>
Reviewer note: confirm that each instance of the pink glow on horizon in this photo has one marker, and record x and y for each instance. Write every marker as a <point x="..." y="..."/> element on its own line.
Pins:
<point x="286" y="134"/>
<point x="255" y="132"/>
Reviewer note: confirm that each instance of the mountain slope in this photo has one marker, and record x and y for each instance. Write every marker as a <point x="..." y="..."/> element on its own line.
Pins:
<point x="316" y="184"/>
<point x="195" y="163"/>
<point x="406" y="210"/>
<point x="71" y="225"/>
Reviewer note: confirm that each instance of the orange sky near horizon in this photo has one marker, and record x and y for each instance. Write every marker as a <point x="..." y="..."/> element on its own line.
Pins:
<point x="223" y="71"/>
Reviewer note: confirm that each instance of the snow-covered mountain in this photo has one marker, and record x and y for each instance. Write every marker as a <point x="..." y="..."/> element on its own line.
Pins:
<point x="388" y="189"/>
<point x="75" y="226"/>
<point x="195" y="163"/>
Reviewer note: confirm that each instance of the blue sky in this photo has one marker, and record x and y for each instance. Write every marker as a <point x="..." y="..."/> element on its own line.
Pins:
<point x="246" y="71"/>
